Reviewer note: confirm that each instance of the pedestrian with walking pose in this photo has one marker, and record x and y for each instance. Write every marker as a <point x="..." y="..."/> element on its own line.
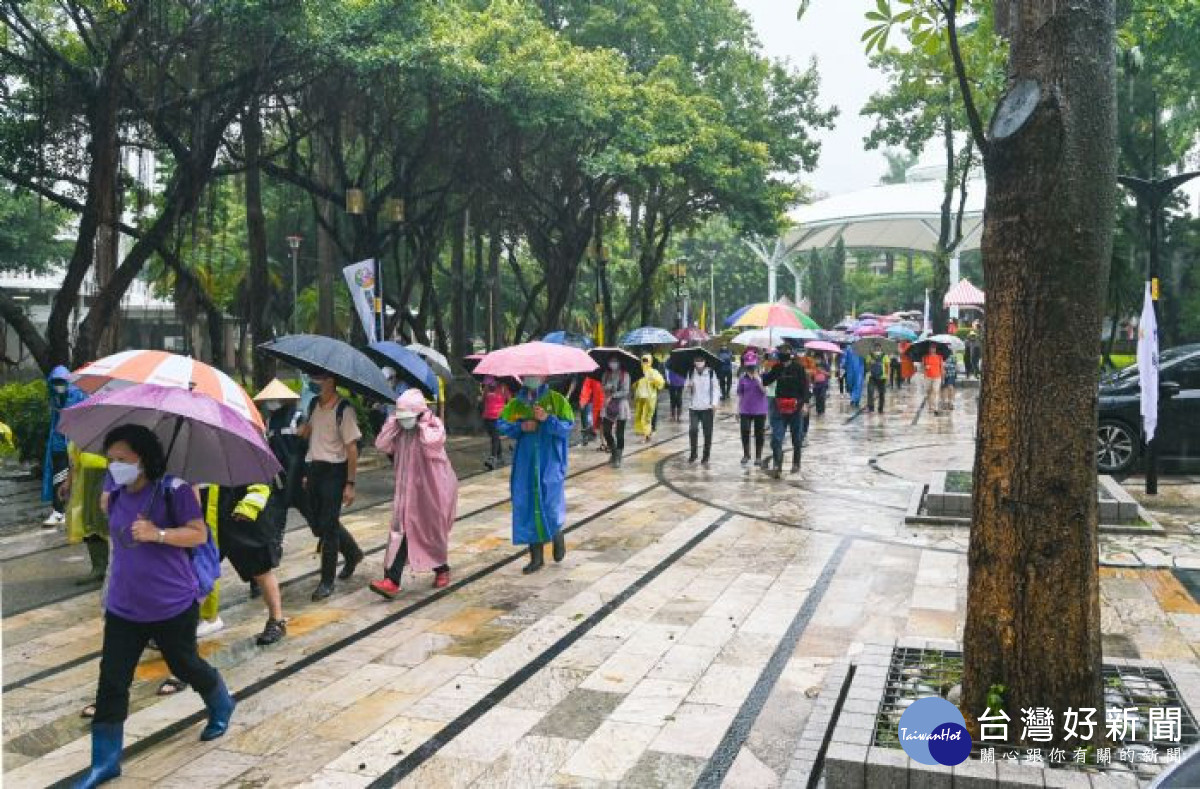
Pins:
<point x="894" y="366"/>
<point x="792" y="394"/>
<point x="85" y="519"/>
<point x="703" y="391"/>
<point x="617" y="410"/>
<point x="55" y="467"/>
<point x="675" y="384"/>
<point x="876" y="381"/>
<point x="541" y="421"/>
<point x="725" y="371"/>
<point x="934" y="368"/>
<point x="154" y="522"/>
<point x="495" y="395"/>
<point x="820" y="383"/>
<point x="852" y="363"/>
<point x="425" y="495"/>
<point x="645" y="399"/>
<point x="332" y="434"/>
<point x="752" y="407"/>
<point x="949" y="379"/>
<point x="591" y="403"/>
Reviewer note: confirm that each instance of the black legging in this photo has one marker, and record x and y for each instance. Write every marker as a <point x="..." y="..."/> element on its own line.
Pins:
<point x="494" y="434"/>
<point x="614" y="438"/>
<point x="396" y="569"/>
<point x="759" y="423"/>
<point x="676" y="393"/>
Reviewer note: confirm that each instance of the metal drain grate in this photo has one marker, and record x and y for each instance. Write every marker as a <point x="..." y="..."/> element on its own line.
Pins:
<point x="918" y="673"/>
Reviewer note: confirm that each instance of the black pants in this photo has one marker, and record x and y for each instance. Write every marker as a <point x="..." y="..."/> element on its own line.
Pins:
<point x="614" y="435"/>
<point x="875" y="386"/>
<point x="894" y="376"/>
<point x="759" y="423"/>
<point x="326" y="482"/>
<point x="397" y="567"/>
<point x="726" y="382"/>
<point x="124" y="641"/>
<point x="700" y="418"/>
<point x="59" y="464"/>
<point x="819" y="397"/>
<point x="676" y="394"/>
<point x="494" y="435"/>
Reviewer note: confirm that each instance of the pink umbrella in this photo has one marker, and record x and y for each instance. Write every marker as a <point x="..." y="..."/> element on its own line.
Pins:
<point x="536" y="358"/>
<point x="821" y="345"/>
<point x="206" y="441"/>
<point x="871" y="331"/>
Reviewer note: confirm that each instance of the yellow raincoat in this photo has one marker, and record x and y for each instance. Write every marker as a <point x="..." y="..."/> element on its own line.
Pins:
<point x="645" y="399"/>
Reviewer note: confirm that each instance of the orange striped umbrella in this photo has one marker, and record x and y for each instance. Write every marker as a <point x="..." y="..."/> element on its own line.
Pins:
<point x="166" y="369"/>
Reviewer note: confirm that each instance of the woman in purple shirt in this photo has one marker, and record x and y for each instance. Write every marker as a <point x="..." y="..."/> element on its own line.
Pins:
<point x="752" y="407"/>
<point x="153" y="520"/>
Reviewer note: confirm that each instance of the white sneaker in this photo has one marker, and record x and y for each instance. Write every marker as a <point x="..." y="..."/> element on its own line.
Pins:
<point x="207" y="628"/>
<point x="55" y="518"/>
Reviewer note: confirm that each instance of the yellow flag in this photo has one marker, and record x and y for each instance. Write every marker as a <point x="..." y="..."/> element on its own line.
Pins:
<point x="703" y="314"/>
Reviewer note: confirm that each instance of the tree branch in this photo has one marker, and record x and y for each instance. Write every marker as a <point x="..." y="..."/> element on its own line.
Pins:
<point x="949" y="9"/>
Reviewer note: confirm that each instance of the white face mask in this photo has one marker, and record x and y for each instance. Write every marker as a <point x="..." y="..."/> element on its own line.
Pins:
<point x="271" y="406"/>
<point x="124" y="473"/>
<point x="700" y="366"/>
<point x="407" y="419"/>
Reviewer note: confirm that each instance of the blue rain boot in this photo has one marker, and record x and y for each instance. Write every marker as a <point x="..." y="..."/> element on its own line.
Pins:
<point x="107" y="739"/>
<point x="220" y="709"/>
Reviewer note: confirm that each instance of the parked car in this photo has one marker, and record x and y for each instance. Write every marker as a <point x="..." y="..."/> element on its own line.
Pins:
<point x="1119" y="440"/>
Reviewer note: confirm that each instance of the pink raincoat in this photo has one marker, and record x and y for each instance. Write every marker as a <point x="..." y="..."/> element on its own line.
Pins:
<point x="426" y="494"/>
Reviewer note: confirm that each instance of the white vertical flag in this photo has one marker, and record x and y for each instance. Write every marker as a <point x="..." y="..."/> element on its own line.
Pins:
<point x="1147" y="360"/>
<point x="925" y="327"/>
<point x="360" y="279"/>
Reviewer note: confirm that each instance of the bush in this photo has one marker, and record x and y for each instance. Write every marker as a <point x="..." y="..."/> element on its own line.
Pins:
<point x="26" y="409"/>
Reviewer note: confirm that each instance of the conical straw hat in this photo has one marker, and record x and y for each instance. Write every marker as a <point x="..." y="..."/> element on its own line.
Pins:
<point x="276" y="390"/>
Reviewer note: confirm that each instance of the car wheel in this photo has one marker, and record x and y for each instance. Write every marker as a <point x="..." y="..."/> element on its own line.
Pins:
<point x="1117" y="448"/>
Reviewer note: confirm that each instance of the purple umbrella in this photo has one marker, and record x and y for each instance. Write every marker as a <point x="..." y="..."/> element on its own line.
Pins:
<point x="206" y="441"/>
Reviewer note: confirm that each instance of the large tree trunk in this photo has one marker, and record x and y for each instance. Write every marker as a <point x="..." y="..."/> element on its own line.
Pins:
<point x="256" y="235"/>
<point x="108" y="236"/>
<point x="495" y="307"/>
<point x="326" y="245"/>
<point x="458" y="286"/>
<point x="1033" y="612"/>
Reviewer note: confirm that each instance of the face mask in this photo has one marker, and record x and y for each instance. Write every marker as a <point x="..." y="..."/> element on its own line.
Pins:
<point x="699" y="365"/>
<point x="314" y="386"/>
<point x="532" y="381"/>
<point x="124" y="473"/>
<point x="407" y="419"/>
<point x="614" y="365"/>
<point x="59" y="387"/>
<point x="270" y="407"/>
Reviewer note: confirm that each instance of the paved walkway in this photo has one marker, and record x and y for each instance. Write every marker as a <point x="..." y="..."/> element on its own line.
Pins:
<point x="683" y="640"/>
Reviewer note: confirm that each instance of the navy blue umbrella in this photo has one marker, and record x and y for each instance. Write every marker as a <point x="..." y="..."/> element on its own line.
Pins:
<point x="409" y="366"/>
<point x="569" y="338"/>
<point x="315" y="354"/>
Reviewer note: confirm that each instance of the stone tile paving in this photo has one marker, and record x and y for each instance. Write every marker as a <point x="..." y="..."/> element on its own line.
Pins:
<point x="626" y="665"/>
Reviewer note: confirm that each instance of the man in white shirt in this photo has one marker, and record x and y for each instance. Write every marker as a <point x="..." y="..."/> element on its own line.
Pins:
<point x="704" y="390"/>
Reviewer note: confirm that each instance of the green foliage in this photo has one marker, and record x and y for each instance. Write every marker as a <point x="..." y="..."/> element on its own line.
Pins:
<point x="26" y="409"/>
<point x="28" y="230"/>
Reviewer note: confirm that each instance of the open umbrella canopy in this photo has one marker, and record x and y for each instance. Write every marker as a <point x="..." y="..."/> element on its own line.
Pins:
<point x="691" y="334"/>
<point x="870" y="330"/>
<point x="535" y="358"/>
<point x="899" y="331"/>
<point x="864" y="345"/>
<point x="206" y="442"/>
<point x="409" y="367"/>
<point x="315" y="354"/>
<point x="823" y="345"/>
<point x="165" y="369"/>
<point x="918" y="350"/>
<point x="771" y="338"/>
<point x="765" y="315"/>
<point x="648" y="335"/>
<point x="949" y="340"/>
<point x="472" y="361"/>
<point x="573" y="339"/>
<point x="629" y="363"/>
<point x="436" y="361"/>
<point x="682" y="359"/>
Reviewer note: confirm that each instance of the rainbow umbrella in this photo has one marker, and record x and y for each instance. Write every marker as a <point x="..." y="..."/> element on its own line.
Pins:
<point x="769" y="315"/>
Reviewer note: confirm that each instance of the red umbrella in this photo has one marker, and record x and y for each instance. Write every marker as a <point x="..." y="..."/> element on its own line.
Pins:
<point x="535" y="358"/>
<point x="691" y="334"/>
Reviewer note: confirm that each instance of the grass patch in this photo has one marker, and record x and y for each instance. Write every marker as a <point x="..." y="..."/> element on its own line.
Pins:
<point x="958" y="482"/>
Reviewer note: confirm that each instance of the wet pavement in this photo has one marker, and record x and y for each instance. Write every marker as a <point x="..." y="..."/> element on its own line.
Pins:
<point x="683" y="640"/>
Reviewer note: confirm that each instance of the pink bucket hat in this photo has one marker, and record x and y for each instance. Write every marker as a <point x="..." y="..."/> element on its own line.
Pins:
<point x="412" y="400"/>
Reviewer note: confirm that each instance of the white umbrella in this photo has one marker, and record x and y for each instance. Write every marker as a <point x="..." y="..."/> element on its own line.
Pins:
<point x="770" y="338"/>
<point x="949" y="340"/>
<point x="439" y="363"/>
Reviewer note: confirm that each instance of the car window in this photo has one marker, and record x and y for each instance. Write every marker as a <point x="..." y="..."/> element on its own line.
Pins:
<point x="1170" y="368"/>
<point x="1186" y="373"/>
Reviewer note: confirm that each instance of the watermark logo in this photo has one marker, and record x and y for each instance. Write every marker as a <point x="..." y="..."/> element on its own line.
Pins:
<point x="933" y="731"/>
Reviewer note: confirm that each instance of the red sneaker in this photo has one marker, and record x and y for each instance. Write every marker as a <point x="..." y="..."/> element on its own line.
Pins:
<point x="385" y="588"/>
<point x="441" y="579"/>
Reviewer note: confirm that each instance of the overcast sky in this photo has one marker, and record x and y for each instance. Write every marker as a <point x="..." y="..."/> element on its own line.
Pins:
<point x="830" y="32"/>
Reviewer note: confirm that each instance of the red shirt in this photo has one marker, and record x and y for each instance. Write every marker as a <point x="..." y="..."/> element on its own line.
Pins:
<point x="933" y="365"/>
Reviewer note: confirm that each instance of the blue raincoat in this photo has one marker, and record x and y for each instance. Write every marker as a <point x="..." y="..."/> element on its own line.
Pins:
<point x="539" y="468"/>
<point x="56" y="441"/>
<point x="855" y="369"/>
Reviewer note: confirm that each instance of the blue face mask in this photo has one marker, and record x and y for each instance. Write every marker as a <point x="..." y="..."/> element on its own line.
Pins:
<point x="314" y="387"/>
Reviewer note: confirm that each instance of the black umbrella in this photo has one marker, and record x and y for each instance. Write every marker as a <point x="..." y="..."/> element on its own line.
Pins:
<point x="315" y="354"/>
<point x="471" y="362"/>
<point x="629" y="363"/>
<point x="917" y="350"/>
<point x="682" y="359"/>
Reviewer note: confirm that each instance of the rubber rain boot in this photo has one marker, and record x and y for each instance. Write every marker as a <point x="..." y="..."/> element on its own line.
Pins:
<point x="97" y="548"/>
<point x="560" y="547"/>
<point x="107" y="739"/>
<point x="220" y="709"/>
<point x="536" y="558"/>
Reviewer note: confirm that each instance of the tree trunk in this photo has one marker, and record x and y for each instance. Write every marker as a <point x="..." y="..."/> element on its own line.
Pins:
<point x="495" y="307"/>
<point x="326" y="246"/>
<point x="256" y="236"/>
<point x="458" y="285"/>
<point x="1033" y="611"/>
<point x="108" y="236"/>
<point x="910" y="294"/>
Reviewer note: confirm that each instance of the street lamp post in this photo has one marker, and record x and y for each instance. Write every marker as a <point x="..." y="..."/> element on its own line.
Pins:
<point x="294" y="245"/>
<point x="679" y="273"/>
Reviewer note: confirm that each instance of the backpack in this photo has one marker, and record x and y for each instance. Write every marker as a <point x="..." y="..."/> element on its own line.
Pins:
<point x="877" y="368"/>
<point x="206" y="558"/>
<point x="342" y="405"/>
